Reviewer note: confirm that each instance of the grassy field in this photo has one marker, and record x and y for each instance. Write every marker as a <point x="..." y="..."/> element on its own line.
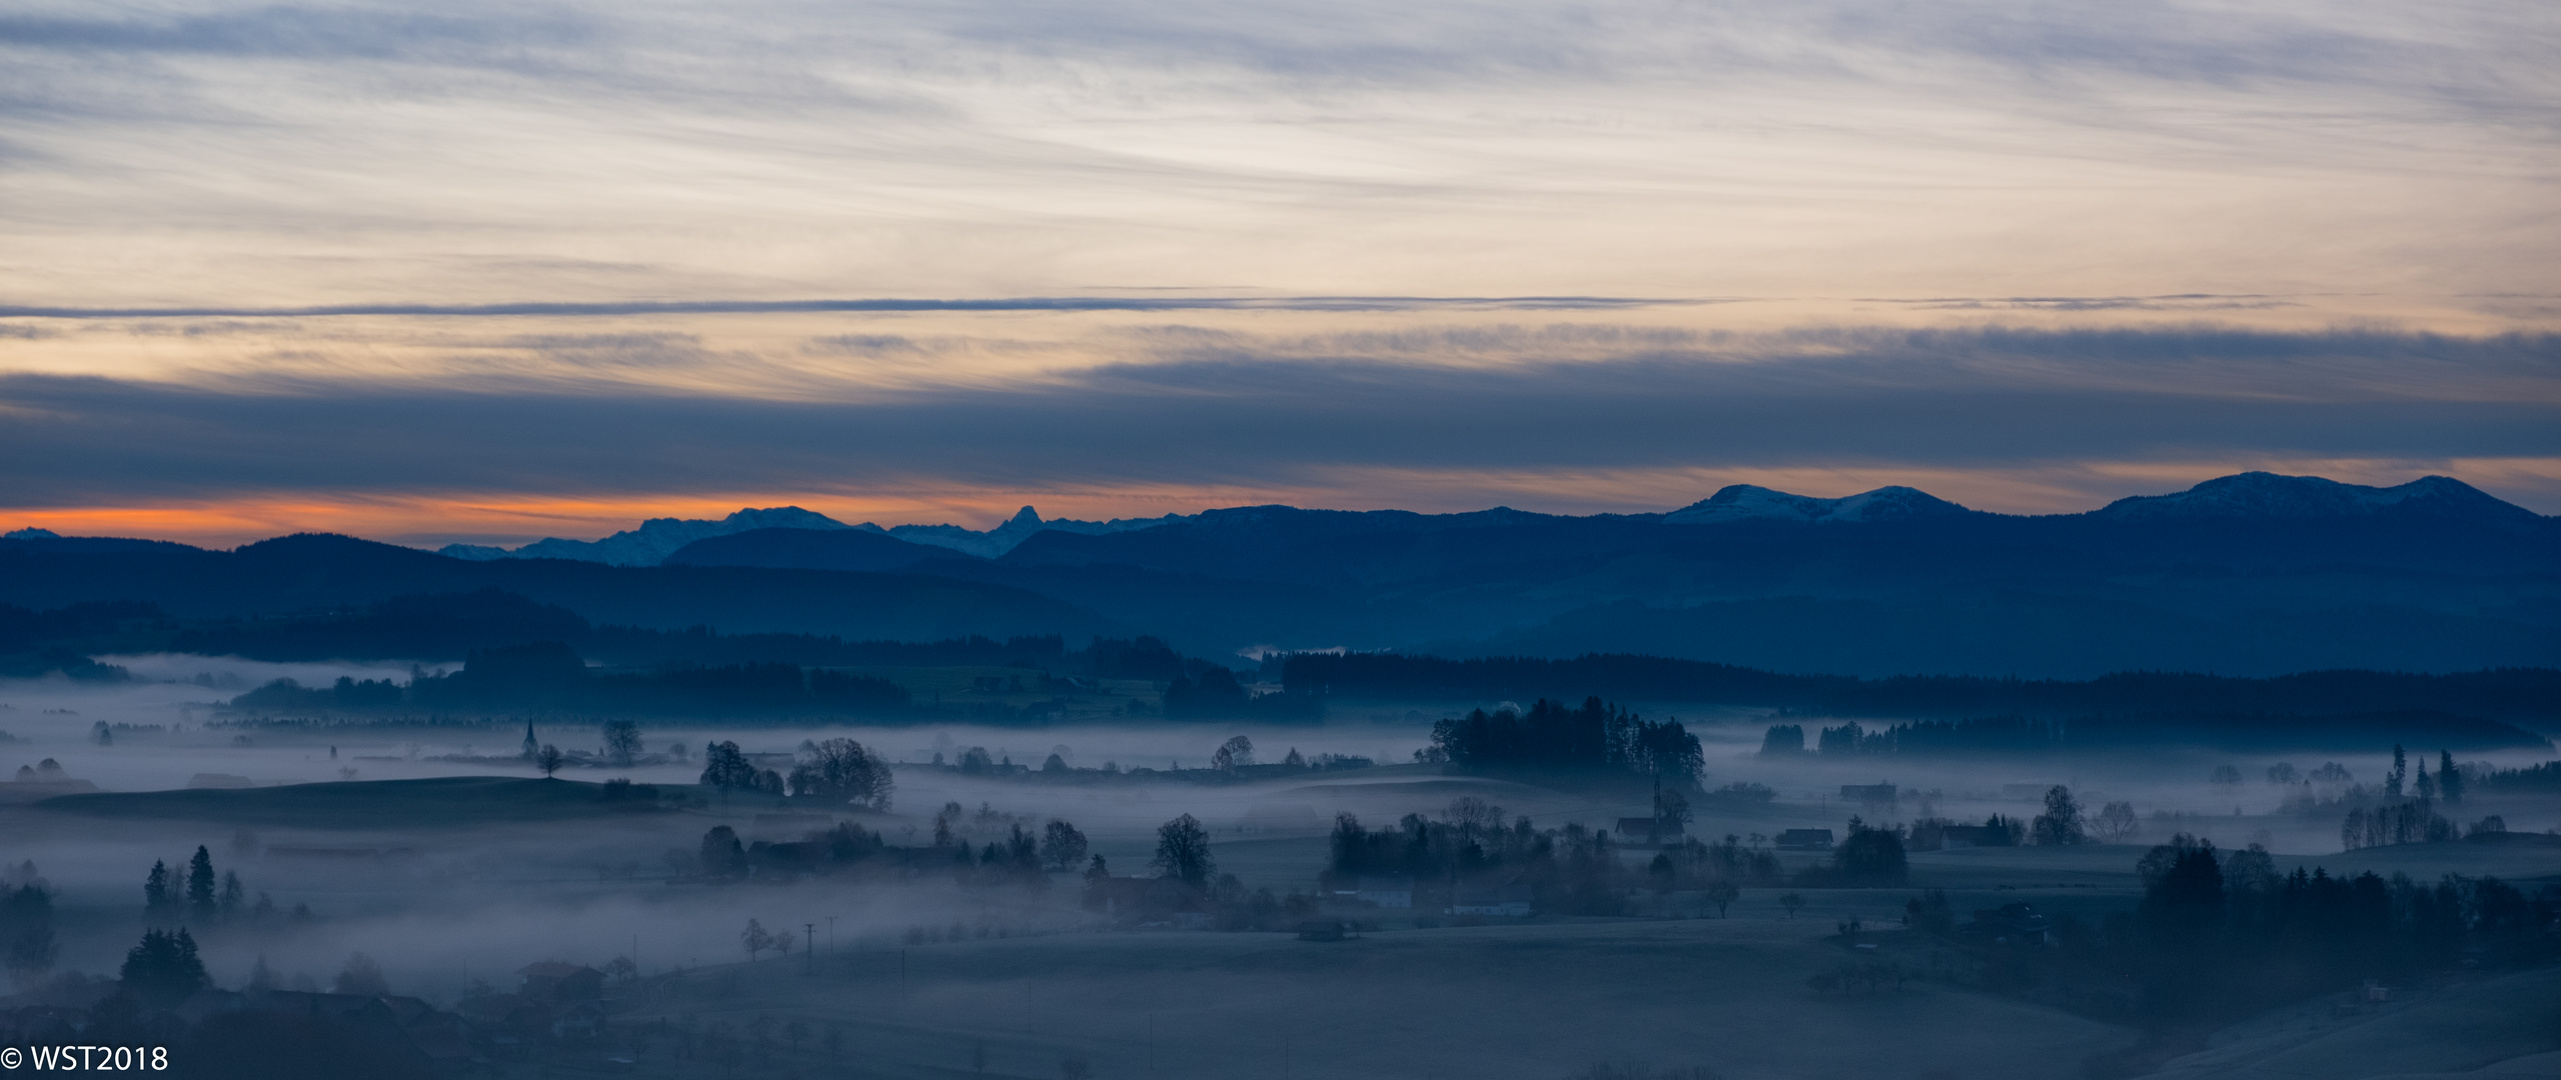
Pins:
<point x="1533" y="1001"/>
<point x="508" y="870"/>
<point x="363" y="804"/>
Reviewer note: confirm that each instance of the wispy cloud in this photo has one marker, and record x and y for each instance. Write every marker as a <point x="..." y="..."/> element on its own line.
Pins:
<point x="236" y="157"/>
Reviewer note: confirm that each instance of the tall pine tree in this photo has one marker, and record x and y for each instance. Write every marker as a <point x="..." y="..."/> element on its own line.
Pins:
<point x="200" y="885"/>
<point x="155" y="889"/>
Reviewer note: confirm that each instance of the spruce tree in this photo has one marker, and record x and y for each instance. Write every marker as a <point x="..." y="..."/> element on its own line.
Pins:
<point x="200" y="884"/>
<point x="155" y="889"/>
<point x="2449" y="779"/>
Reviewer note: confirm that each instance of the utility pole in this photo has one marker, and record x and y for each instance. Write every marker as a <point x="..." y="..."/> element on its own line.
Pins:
<point x="809" y="951"/>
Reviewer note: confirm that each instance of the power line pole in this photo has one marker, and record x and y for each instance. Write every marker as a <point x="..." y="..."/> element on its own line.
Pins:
<point x="809" y="952"/>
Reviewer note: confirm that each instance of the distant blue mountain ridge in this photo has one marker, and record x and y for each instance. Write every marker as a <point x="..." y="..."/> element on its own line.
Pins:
<point x="2249" y="574"/>
<point x="2247" y="495"/>
<point x="658" y="538"/>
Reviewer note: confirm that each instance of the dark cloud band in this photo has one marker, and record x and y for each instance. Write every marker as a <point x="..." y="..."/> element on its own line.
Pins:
<point x="1229" y="413"/>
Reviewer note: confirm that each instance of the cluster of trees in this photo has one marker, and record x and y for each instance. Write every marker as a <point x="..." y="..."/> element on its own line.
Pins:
<point x="842" y="771"/>
<point x="164" y="969"/>
<point x="1873" y="856"/>
<point x="2407" y="812"/>
<point x="28" y="947"/>
<point x="202" y="897"/>
<point x="1597" y="737"/>
<point x="1570" y="869"/>
<point x="2231" y="730"/>
<point x="726" y="767"/>
<point x="2221" y="934"/>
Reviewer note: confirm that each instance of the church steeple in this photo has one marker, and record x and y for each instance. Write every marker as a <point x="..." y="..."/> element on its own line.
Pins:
<point x="532" y="745"/>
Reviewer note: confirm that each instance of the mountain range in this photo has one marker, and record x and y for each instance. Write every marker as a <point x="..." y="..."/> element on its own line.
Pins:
<point x="658" y="538"/>
<point x="2247" y="574"/>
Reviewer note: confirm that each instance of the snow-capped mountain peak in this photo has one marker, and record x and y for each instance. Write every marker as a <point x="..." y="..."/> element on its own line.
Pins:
<point x="2272" y="496"/>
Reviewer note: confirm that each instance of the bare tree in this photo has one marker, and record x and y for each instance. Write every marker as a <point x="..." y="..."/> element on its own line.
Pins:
<point x="1061" y="846"/>
<point x="1234" y="754"/>
<point x="548" y="759"/>
<point x="1791" y="902"/>
<point x="1182" y="851"/>
<point x="2116" y="822"/>
<point x="1721" y="893"/>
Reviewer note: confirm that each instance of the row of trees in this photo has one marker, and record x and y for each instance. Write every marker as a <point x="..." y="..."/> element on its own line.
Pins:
<point x="1596" y="737"/>
<point x="2234" y="730"/>
<point x="1570" y="869"/>
<point x="2221" y="934"/>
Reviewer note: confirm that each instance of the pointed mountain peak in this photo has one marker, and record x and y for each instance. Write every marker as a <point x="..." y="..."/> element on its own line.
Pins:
<point x="2272" y="496"/>
<point x="1023" y="518"/>
<point x="1744" y="502"/>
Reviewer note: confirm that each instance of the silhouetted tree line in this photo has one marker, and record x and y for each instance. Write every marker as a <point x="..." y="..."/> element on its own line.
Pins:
<point x="2222" y="934"/>
<point x="447" y="625"/>
<point x="1019" y="857"/>
<point x="135" y="1023"/>
<point x="552" y="676"/>
<point x="37" y="643"/>
<point x="2531" y="693"/>
<point x="1596" y="737"/>
<point x="1571" y="869"/>
<point x="2544" y="779"/>
<point x="2225" y="730"/>
<point x="199" y="897"/>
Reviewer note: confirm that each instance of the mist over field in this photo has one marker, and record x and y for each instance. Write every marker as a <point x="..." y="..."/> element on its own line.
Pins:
<point x="447" y="894"/>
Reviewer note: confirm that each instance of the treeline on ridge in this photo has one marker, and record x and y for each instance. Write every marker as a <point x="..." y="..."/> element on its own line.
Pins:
<point x="2233" y="731"/>
<point x="552" y="676"/>
<point x="2529" y="694"/>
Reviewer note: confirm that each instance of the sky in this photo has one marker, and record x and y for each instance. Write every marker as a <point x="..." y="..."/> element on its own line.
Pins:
<point x="491" y="272"/>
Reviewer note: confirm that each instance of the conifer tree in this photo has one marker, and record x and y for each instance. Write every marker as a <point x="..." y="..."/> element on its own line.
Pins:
<point x="155" y="889"/>
<point x="200" y="884"/>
